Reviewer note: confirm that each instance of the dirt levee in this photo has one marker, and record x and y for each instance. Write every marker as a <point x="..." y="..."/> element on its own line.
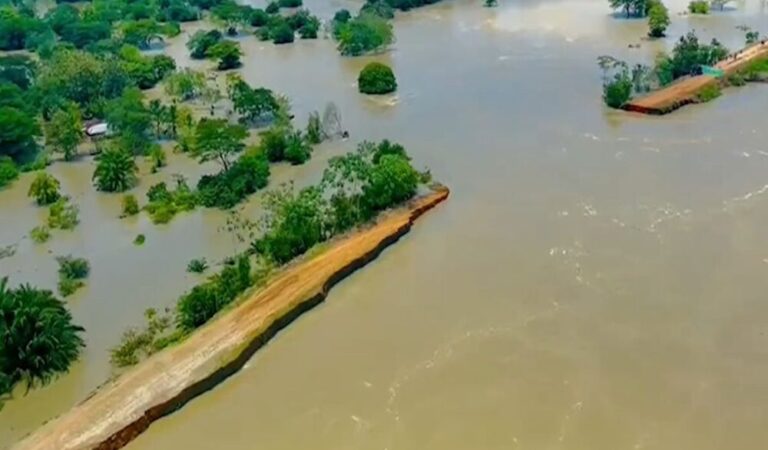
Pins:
<point x="122" y="409"/>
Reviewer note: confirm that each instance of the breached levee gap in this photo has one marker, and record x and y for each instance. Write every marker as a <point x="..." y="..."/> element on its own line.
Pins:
<point x="122" y="409"/>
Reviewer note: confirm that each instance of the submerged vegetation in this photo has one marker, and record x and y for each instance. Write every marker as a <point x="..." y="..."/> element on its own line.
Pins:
<point x="354" y="189"/>
<point x="38" y="340"/>
<point x="376" y="78"/>
<point x="72" y="272"/>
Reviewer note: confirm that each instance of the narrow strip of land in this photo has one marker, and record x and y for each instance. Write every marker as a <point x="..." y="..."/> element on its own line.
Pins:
<point x="122" y="409"/>
<point x="684" y="91"/>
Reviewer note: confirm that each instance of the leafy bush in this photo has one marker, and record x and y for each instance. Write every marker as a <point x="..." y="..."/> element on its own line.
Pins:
<point x="258" y="17"/>
<point x="164" y="204"/>
<point x="40" y="234"/>
<point x="8" y="171"/>
<point x="698" y="7"/>
<point x="297" y="150"/>
<point x="74" y="268"/>
<point x="618" y="91"/>
<point x="139" y="240"/>
<point x="227" y="188"/>
<point x="376" y="78"/>
<point x="282" y="33"/>
<point x="39" y="340"/>
<point x="205" y="300"/>
<point x="71" y="273"/>
<point x="198" y="265"/>
<point x="63" y="215"/>
<point x="136" y="344"/>
<point x="708" y="93"/>
<point x="201" y="42"/>
<point x="272" y="8"/>
<point x="115" y="171"/>
<point x="130" y="205"/>
<point x="44" y="189"/>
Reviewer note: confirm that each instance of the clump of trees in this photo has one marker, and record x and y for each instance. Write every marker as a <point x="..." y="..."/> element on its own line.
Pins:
<point x="254" y="105"/>
<point x="376" y="78"/>
<point x="355" y="187"/>
<point x="164" y="204"/>
<point x="363" y="34"/>
<point x="38" y="340"/>
<point x="211" y="44"/>
<point x="620" y="82"/>
<point x="229" y="187"/>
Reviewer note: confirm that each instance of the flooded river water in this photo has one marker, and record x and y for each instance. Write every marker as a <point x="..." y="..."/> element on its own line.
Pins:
<point x="596" y="281"/>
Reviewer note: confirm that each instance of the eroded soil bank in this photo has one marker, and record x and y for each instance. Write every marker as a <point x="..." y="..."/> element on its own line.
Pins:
<point x="124" y="408"/>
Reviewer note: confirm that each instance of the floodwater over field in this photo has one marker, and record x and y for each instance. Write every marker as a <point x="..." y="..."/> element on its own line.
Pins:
<point x="596" y="281"/>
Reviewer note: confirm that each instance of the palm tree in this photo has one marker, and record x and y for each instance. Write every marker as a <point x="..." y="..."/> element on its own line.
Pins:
<point x="115" y="171"/>
<point x="44" y="189"/>
<point x="37" y="336"/>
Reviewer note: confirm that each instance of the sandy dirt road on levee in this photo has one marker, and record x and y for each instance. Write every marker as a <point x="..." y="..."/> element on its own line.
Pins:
<point x="122" y="409"/>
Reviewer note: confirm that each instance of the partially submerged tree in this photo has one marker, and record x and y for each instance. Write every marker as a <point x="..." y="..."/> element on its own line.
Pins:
<point x="44" y="189"/>
<point x="38" y="340"/>
<point x="65" y="131"/>
<point x="115" y="170"/>
<point x="218" y="140"/>
<point x="658" y="19"/>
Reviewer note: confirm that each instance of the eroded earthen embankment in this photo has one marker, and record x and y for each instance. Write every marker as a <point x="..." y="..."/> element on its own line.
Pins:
<point x="122" y="409"/>
<point x="686" y="90"/>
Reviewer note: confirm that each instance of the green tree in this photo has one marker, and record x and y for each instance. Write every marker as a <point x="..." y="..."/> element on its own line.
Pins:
<point x="365" y="33"/>
<point x="131" y="120"/>
<point x="200" y="42"/>
<point x="490" y="3"/>
<point x="44" y="189"/>
<point x="253" y="105"/>
<point x="130" y="206"/>
<point x="698" y="7"/>
<point x="65" y="131"/>
<point x="18" y="131"/>
<point x="8" y="171"/>
<point x="293" y="223"/>
<point x="618" y="91"/>
<point x="297" y="150"/>
<point x="258" y="17"/>
<point x="282" y="33"/>
<point x="231" y="15"/>
<point x="38" y="340"/>
<point x="186" y="84"/>
<point x="227" y="52"/>
<point x="376" y="78"/>
<point x="658" y="19"/>
<point x="115" y="171"/>
<point x="216" y="139"/>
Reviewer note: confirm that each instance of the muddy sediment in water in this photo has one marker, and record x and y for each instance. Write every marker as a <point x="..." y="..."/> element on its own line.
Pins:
<point x="124" y="408"/>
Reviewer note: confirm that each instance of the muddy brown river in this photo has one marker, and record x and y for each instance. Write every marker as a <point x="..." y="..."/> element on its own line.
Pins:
<point x="596" y="282"/>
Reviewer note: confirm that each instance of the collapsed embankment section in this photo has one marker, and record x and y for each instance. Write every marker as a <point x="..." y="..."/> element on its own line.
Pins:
<point x="122" y="409"/>
<point x="685" y="91"/>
